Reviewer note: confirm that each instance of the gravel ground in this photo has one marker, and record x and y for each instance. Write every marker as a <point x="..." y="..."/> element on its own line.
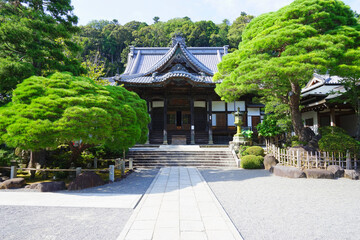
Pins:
<point x="263" y="206"/>
<point x="71" y="223"/>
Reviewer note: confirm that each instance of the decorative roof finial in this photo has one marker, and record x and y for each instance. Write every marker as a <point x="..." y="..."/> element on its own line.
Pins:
<point x="178" y="38"/>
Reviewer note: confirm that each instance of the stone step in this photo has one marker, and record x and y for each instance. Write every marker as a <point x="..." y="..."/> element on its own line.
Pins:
<point x="202" y="158"/>
<point x="184" y="165"/>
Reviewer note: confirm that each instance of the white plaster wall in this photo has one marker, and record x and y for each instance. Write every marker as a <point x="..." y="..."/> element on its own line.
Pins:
<point x="253" y="111"/>
<point x="218" y="106"/>
<point x="314" y="116"/>
<point x="199" y="104"/>
<point x="231" y="119"/>
<point x="158" y="104"/>
<point x="213" y="119"/>
<point x="240" y="104"/>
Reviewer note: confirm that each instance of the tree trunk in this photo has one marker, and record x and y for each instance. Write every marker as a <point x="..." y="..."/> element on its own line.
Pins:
<point x="357" y="133"/>
<point x="77" y="150"/>
<point x="34" y="156"/>
<point x="294" y="103"/>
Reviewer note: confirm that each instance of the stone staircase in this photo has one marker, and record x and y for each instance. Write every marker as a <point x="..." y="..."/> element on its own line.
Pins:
<point x="182" y="156"/>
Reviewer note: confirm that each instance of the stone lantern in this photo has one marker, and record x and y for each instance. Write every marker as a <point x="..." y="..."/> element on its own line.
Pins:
<point x="238" y="138"/>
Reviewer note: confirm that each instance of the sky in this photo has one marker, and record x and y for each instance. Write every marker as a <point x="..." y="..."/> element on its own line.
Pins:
<point x="144" y="10"/>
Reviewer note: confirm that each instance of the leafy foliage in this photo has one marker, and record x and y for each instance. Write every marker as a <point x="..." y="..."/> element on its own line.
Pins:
<point x="269" y="128"/>
<point x="247" y="133"/>
<point x="35" y="38"/>
<point x="349" y="69"/>
<point x="113" y="40"/>
<point x="6" y="156"/>
<point x="281" y="50"/>
<point x="252" y="162"/>
<point x="335" y="139"/>
<point x="237" y="28"/>
<point x="62" y="109"/>
<point x="254" y="150"/>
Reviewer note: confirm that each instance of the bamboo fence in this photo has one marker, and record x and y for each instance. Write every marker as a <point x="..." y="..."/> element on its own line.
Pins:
<point x="308" y="160"/>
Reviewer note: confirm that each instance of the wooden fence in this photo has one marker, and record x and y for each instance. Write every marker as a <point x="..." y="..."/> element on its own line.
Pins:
<point x="321" y="160"/>
<point x="119" y="164"/>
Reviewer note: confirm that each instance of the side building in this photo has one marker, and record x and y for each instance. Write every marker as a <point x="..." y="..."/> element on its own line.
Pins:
<point x="321" y="110"/>
<point x="177" y="83"/>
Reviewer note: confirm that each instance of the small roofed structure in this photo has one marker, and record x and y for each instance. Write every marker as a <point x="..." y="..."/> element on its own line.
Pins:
<point x="177" y="83"/>
<point x="321" y="110"/>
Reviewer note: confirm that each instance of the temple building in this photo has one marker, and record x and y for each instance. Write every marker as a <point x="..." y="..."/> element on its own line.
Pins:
<point x="177" y="83"/>
<point x="320" y="109"/>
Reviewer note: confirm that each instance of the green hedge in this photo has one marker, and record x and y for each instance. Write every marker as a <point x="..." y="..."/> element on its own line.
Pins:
<point x="255" y="150"/>
<point x="335" y="139"/>
<point x="252" y="162"/>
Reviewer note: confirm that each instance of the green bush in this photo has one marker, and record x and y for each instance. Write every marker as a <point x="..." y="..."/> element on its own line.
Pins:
<point x="6" y="156"/>
<point x="255" y="150"/>
<point x="242" y="150"/>
<point x="331" y="130"/>
<point x="252" y="162"/>
<point x="335" y="139"/>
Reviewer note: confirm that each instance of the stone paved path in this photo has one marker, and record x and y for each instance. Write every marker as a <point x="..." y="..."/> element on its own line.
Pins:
<point x="179" y="205"/>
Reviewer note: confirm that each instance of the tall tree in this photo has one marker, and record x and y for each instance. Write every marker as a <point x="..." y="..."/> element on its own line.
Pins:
<point x="349" y="70"/>
<point x="34" y="38"/>
<point x="62" y="109"/>
<point x="281" y="50"/>
<point x="236" y="29"/>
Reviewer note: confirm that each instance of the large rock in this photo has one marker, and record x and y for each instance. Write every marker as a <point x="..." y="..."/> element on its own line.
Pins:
<point x="290" y="172"/>
<point x="13" y="183"/>
<point x="4" y="178"/>
<point x="319" y="173"/>
<point x="306" y="134"/>
<point x="48" y="186"/>
<point x="269" y="161"/>
<point x="313" y="144"/>
<point x="352" y="174"/>
<point x="336" y="170"/>
<point x="86" y="180"/>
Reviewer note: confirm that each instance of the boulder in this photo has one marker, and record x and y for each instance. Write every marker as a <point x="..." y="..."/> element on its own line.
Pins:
<point x="48" y="186"/>
<point x="290" y="172"/>
<point x="306" y="134"/>
<point x="4" y="178"/>
<point x="269" y="161"/>
<point x="12" y="183"/>
<point x="316" y="138"/>
<point x="352" y="174"/>
<point x="312" y="144"/>
<point x="336" y="170"/>
<point x="319" y="173"/>
<point x="86" y="180"/>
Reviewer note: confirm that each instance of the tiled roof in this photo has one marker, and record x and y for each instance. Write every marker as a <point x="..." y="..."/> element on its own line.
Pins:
<point x="321" y="84"/>
<point x="144" y="62"/>
<point x="140" y="79"/>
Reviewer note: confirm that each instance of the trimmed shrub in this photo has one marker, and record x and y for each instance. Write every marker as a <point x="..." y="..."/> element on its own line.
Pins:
<point x="242" y="150"/>
<point x="252" y="162"/>
<point x="335" y="139"/>
<point x="255" y="150"/>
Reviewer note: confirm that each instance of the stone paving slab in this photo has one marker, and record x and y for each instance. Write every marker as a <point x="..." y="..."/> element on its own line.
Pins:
<point x="179" y="205"/>
<point x="94" y="200"/>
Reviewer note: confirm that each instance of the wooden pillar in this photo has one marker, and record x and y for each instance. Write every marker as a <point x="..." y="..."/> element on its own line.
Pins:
<point x="332" y="117"/>
<point x="149" y="125"/>
<point x="210" y="122"/>
<point x="165" y="142"/>
<point x="192" y="129"/>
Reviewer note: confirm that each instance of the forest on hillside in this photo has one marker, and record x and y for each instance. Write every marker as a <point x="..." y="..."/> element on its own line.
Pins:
<point x="106" y="43"/>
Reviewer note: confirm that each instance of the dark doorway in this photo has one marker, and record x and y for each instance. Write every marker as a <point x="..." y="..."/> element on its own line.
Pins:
<point x="178" y="119"/>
